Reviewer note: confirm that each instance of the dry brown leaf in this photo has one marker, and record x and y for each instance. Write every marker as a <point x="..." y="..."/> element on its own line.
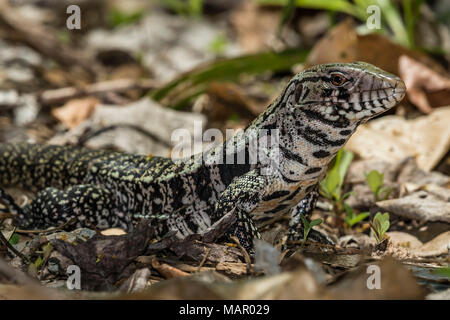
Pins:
<point x="255" y="26"/>
<point x="403" y="239"/>
<point x="234" y="268"/>
<point x="420" y="80"/>
<point x="229" y="97"/>
<point x="168" y="271"/>
<point x="420" y="205"/>
<point x="343" y="44"/>
<point x="392" y="138"/>
<point x="396" y="283"/>
<point x="339" y="44"/>
<point x="435" y="247"/>
<point x="75" y="111"/>
<point x="113" y="232"/>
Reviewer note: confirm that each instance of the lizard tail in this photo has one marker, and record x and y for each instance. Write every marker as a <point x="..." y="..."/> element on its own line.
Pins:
<point x="35" y="167"/>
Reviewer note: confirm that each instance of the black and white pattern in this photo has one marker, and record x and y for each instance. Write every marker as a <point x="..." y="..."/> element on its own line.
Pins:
<point x="315" y="115"/>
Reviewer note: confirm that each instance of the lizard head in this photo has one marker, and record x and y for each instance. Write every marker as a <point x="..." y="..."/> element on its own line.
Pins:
<point x="345" y="92"/>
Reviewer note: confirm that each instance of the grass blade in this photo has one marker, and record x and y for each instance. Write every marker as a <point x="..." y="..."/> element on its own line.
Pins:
<point x="181" y="90"/>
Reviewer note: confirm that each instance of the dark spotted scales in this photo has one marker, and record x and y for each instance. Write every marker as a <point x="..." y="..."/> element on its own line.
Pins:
<point x="315" y="115"/>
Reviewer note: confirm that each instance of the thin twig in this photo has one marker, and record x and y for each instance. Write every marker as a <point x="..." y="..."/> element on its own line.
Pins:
<point x="58" y="96"/>
<point x="283" y="255"/>
<point x="65" y="224"/>
<point x="207" y="252"/>
<point x="11" y="247"/>
<point x="247" y="258"/>
<point x="6" y="215"/>
<point x="93" y="227"/>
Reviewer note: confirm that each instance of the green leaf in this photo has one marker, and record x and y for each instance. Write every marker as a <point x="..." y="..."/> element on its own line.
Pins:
<point x="332" y="182"/>
<point x="392" y="16"/>
<point x="385" y="224"/>
<point x="380" y="225"/>
<point x="347" y="194"/>
<point x="333" y="5"/>
<point x="324" y="189"/>
<point x="348" y="211"/>
<point x="315" y="222"/>
<point x="288" y="10"/>
<point x="38" y="262"/>
<point x="374" y="180"/>
<point x="185" y="7"/>
<point x="385" y="192"/>
<point x="189" y="85"/>
<point x="306" y="228"/>
<point x="195" y="7"/>
<point x="344" y="163"/>
<point x="116" y="18"/>
<point x="445" y="271"/>
<point x="357" y="218"/>
<point x="304" y="221"/>
<point x="48" y="248"/>
<point x="14" y="239"/>
<point x="219" y="44"/>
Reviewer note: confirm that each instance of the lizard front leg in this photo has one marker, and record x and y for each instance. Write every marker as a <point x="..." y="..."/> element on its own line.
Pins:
<point x="305" y="208"/>
<point x="242" y="196"/>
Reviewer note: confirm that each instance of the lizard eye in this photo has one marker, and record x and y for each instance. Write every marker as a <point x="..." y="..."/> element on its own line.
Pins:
<point x="338" y="79"/>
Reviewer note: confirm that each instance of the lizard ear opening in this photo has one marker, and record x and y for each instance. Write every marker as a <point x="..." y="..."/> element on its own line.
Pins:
<point x="298" y="92"/>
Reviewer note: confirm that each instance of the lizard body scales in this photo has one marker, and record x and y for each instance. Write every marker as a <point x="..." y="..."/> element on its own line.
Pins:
<point x="314" y="116"/>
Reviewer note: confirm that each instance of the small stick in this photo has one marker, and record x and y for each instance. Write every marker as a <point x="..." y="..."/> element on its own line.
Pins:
<point x="65" y="224"/>
<point x="283" y="255"/>
<point x="247" y="259"/>
<point x="61" y="95"/>
<point x="168" y="272"/>
<point x="11" y="247"/>
<point x="207" y="252"/>
<point x="93" y="227"/>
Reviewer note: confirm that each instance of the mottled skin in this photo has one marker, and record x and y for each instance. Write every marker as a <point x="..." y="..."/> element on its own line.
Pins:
<point x="313" y="118"/>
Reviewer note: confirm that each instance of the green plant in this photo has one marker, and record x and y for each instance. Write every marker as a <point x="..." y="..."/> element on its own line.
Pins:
<point x="403" y="28"/>
<point x="285" y="15"/>
<point x="185" y="7"/>
<point x="331" y="186"/>
<point x="307" y="226"/>
<point x="180" y="92"/>
<point x="444" y="271"/>
<point x="351" y="217"/>
<point x="38" y="262"/>
<point x="375" y="181"/>
<point x="219" y="44"/>
<point x="117" y="18"/>
<point x="63" y="36"/>
<point x="380" y="225"/>
<point x="14" y="239"/>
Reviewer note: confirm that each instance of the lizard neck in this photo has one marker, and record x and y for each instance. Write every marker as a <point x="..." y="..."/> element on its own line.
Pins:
<point x="299" y="142"/>
<point x="289" y="142"/>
